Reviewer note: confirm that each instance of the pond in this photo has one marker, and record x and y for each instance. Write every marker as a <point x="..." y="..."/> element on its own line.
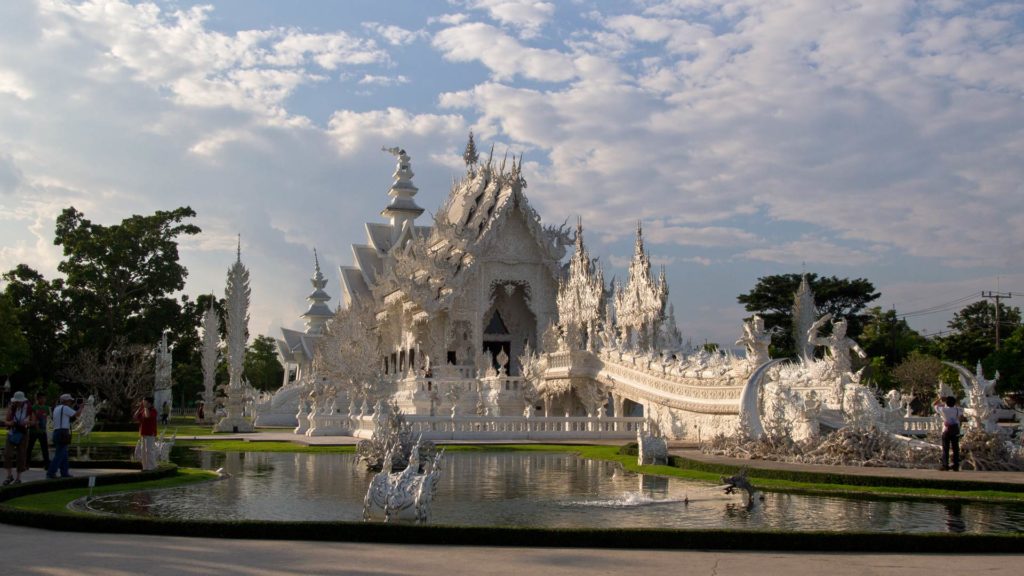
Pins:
<point x="535" y="489"/>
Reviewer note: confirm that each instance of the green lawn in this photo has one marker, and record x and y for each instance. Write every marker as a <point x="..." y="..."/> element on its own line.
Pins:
<point x="58" y="500"/>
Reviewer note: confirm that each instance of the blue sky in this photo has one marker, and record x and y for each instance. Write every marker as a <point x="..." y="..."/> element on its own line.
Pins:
<point x="876" y="139"/>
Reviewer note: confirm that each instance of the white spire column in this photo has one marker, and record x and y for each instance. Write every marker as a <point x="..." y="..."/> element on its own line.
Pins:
<point x="211" y="340"/>
<point x="237" y="294"/>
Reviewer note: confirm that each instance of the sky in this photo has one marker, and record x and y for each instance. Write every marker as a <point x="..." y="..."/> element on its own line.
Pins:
<point x="862" y="139"/>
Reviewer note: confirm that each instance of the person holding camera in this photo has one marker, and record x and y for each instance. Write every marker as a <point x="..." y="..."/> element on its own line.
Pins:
<point x="63" y="416"/>
<point x="145" y="450"/>
<point x="19" y="419"/>
<point x="951" y="415"/>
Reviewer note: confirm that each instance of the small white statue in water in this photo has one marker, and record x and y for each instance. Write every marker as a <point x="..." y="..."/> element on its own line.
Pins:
<point x="406" y="493"/>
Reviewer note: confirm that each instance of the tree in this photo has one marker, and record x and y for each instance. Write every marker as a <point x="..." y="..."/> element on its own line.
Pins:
<point x="120" y="277"/>
<point x="888" y="341"/>
<point x="122" y="375"/>
<point x="772" y="299"/>
<point x="263" y="370"/>
<point x="42" y="313"/>
<point x="918" y="375"/>
<point x="1009" y="361"/>
<point x="973" y="336"/>
<point x="13" y="345"/>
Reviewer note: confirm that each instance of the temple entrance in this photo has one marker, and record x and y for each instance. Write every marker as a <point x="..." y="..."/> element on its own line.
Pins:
<point x="509" y="324"/>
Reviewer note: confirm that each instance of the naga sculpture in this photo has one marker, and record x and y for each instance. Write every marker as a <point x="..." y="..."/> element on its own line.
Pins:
<point x="739" y="480"/>
<point x="406" y="493"/>
<point x="391" y="446"/>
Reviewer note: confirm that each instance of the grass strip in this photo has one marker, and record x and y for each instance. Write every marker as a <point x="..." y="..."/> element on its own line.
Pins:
<point x="58" y="500"/>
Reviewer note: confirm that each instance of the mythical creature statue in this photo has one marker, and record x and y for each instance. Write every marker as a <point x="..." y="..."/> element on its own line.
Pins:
<point x="740" y="481"/>
<point x="398" y="494"/>
<point x="651" y="448"/>
<point x="756" y="339"/>
<point x="391" y="445"/>
<point x="839" y="346"/>
<point x="87" y="419"/>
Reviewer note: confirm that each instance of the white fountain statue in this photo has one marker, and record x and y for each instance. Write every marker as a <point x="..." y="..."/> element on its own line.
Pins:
<point x="407" y="494"/>
<point x="652" y="448"/>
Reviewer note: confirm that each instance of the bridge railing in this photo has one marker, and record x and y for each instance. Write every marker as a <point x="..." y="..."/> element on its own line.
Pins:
<point x="512" y="427"/>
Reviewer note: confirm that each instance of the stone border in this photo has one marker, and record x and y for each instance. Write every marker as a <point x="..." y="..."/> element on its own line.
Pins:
<point x="1010" y="543"/>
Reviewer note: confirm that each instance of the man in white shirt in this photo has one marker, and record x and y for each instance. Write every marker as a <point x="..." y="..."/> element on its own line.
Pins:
<point x="63" y="414"/>
<point x="951" y="415"/>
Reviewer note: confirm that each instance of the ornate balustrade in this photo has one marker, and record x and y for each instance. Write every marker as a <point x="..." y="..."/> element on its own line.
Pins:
<point x="512" y="427"/>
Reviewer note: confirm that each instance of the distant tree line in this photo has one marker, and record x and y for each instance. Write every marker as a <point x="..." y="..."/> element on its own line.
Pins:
<point x="120" y="290"/>
<point x="898" y="356"/>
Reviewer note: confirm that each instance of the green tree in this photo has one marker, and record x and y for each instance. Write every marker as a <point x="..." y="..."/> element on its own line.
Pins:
<point x="120" y="277"/>
<point x="42" y="312"/>
<point x="772" y="299"/>
<point x="14" y="349"/>
<point x="1009" y="361"/>
<point x="973" y="336"/>
<point x="888" y="340"/>
<point x="919" y="376"/>
<point x="262" y="367"/>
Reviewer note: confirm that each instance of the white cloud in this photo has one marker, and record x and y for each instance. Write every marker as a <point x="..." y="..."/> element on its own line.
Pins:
<point x="380" y="80"/>
<point x="353" y="131"/>
<point x="526" y="15"/>
<point x="13" y="84"/>
<point x="813" y="250"/>
<point x="394" y="35"/>
<point x="502" y="54"/>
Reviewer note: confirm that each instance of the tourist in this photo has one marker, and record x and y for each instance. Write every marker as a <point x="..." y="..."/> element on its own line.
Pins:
<point x="165" y="412"/>
<point x="19" y="419"/>
<point x="951" y="415"/>
<point x="63" y="415"/>
<point x="201" y="412"/>
<point x="145" y="451"/>
<point x="38" y="432"/>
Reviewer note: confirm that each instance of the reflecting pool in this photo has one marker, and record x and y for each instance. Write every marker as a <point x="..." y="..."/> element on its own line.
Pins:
<point x="536" y="489"/>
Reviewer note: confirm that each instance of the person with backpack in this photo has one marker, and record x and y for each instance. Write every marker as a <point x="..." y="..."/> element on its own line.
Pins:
<point x="951" y="415"/>
<point x="63" y="416"/>
<point x="19" y="419"/>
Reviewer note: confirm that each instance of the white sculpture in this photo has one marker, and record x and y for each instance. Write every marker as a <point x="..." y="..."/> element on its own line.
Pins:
<point x="580" y="296"/>
<point x="162" y="377"/>
<point x="652" y="448"/>
<point x="804" y="314"/>
<point x="211" y="342"/>
<point x="237" y="295"/>
<point x="87" y="419"/>
<point x="757" y="340"/>
<point x="640" y="305"/>
<point x="391" y="445"/>
<point x="404" y="494"/>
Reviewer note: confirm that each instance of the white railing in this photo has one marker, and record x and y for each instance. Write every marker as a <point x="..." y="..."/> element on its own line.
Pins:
<point x="512" y="427"/>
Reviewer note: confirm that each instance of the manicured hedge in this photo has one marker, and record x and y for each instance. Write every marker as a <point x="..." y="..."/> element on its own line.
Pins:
<point x="951" y="483"/>
<point x="531" y="537"/>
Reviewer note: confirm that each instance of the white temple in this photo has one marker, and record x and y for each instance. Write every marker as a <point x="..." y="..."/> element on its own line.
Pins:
<point x="477" y="327"/>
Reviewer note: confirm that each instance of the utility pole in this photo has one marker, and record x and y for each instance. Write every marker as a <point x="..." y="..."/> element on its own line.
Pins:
<point x="997" y="296"/>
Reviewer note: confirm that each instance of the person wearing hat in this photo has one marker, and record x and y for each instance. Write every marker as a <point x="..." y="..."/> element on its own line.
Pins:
<point x="63" y="414"/>
<point x="18" y="419"/>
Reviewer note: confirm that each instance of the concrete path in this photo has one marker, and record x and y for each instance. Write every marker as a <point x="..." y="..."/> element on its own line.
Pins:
<point x="55" y="553"/>
<point x="38" y="474"/>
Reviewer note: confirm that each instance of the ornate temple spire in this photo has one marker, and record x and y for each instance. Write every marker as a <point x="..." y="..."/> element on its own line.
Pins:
<point x="403" y="208"/>
<point x="804" y="315"/>
<point x="470" y="156"/>
<point x="318" y="312"/>
<point x="236" y="294"/>
<point x="640" y="305"/>
<point x="581" y="294"/>
<point x="211" y="341"/>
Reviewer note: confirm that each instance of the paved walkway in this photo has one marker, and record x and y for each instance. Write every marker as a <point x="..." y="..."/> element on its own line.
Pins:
<point x="56" y="553"/>
<point x="38" y="474"/>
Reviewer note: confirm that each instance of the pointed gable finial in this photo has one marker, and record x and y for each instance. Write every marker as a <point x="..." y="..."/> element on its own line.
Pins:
<point x="238" y="250"/>
<point x="470" y="156"/>
<point x="316" y="260"/>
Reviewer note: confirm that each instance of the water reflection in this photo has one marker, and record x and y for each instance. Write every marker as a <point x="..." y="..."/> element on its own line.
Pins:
<point x="528" y="489"/>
